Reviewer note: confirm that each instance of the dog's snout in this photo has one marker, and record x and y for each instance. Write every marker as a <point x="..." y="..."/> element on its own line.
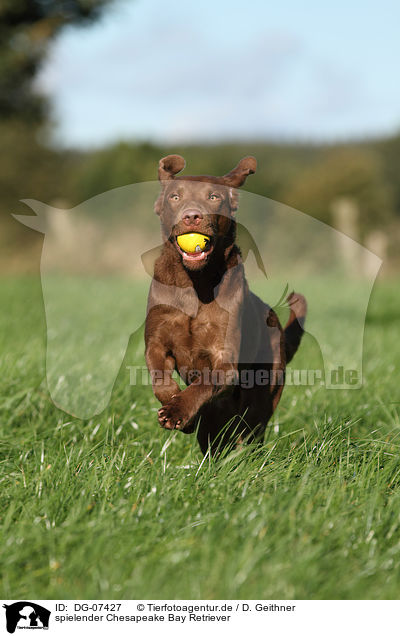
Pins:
<point x="192" y="217"/>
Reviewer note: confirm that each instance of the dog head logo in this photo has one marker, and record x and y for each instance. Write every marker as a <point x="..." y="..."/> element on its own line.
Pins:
<point x="26" y="615"/>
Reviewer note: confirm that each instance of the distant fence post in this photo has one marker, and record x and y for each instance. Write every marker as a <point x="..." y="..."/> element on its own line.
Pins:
<point x="346" y="220"/>
<point x="345" y="215"/>
<point x="377" y="242"/>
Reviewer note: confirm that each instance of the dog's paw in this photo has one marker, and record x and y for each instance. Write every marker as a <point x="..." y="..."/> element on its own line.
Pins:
<point x="172" y="415"/>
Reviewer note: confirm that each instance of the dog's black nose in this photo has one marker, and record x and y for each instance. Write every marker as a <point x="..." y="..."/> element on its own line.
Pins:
<point x="192" y="217"/>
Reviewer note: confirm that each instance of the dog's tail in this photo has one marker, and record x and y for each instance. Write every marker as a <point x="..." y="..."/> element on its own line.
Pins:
<point x="294" y="327"/>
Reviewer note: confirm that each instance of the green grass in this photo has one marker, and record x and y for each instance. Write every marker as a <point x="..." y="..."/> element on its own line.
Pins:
<point x="116" y="508"/>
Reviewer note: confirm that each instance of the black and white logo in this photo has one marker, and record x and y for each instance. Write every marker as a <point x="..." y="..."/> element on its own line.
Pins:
<point x="26" y="615"/>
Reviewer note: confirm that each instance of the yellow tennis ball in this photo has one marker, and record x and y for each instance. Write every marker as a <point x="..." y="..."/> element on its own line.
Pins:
<point x="192" y="242"/>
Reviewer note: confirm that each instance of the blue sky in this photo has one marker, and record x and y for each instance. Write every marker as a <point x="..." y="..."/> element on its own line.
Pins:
<point x="221" y="70"/>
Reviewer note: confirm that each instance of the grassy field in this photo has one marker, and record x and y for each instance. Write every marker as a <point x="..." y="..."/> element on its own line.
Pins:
<point x="114" y="507"/>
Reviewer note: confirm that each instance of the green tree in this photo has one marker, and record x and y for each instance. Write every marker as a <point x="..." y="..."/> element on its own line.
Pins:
<point x="29" y="167"/>
<point x="26" y="28"/>
<point x="354" y="172"/>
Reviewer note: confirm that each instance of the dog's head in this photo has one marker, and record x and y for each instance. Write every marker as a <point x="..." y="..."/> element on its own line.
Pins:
<point x="202" y="205"/>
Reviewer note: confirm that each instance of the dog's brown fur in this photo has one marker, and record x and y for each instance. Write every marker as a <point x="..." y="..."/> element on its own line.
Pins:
<point x="202" y="316"/>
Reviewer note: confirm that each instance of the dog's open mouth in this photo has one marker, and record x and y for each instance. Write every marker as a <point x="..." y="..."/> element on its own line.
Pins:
<point x="194" y="247"/>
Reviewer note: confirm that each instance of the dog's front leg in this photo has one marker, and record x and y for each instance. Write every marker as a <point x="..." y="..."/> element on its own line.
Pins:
<point x="161" y="367"/>
<point x="163" y="300"/>
<point x="223" y="348"/>
<point x="180" y="411"/>
<point x="184" y="406"/>
<point x="230" y="297"/>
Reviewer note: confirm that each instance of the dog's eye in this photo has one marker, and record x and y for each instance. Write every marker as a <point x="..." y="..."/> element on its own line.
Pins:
<point x="174" y="196"/>
<point x="213" y="196"/>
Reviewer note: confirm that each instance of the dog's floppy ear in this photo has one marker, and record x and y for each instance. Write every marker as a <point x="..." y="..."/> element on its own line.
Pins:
<point x="236" y="177"/>
<point x="169" y="166"/>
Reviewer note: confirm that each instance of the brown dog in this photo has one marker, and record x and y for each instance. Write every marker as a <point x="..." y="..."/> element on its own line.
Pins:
<point x="202" y="320"/>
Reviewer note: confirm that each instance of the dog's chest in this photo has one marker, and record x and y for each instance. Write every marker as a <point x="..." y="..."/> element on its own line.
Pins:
<point x="195" y="338"/>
